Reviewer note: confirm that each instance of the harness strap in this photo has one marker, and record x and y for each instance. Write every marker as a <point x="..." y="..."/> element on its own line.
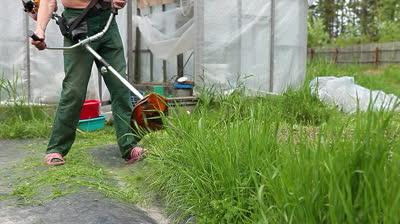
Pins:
<point x="79" y="19"/>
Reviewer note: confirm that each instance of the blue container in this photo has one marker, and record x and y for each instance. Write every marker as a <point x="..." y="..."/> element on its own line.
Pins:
<point x="183" y="86"/>
<point x="183" y="90"/>
<point x="93" y="124"/>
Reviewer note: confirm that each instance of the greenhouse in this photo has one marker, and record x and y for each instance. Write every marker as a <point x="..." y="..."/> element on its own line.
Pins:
<point x="256" y="44"/>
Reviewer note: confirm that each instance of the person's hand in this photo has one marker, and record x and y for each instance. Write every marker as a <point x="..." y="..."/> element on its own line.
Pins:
<point x="118" y="4"/>
<point x="39" y="44"/>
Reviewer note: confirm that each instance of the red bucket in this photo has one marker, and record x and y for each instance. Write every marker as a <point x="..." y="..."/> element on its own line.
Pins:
<point x="90" y="109"/>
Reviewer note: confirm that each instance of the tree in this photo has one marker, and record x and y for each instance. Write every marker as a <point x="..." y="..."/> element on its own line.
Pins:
<point x="362" y="20"/>
<point x="326" y="10"/>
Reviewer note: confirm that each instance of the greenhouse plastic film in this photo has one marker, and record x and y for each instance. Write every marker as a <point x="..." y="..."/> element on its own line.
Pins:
<point x="46" y="67"/>
<point x="231" y="41"/>
<point x="12" y="45"/>
<point x="234" y="44"/>
<point x="167" y="34"/>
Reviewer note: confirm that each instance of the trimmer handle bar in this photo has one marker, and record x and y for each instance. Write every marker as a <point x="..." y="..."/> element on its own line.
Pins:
<point x="88" y="40"/>
<point x="85" y="43"/>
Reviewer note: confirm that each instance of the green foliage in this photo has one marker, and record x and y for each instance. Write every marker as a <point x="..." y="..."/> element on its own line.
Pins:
<point x="282" y="159"/>
<point x="17" y="118"/>
<point x="389" y="31"/>
<point x="25" y="121"/>
<point x="316" y="34"/>
<point x="354" y="22"/>
<point x="11" y="89"/>
<point x="300" y="107"/>
<point x="255" y="167"/>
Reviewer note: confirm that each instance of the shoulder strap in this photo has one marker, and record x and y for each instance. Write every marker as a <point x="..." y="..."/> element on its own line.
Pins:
<point x="79" y="19"/>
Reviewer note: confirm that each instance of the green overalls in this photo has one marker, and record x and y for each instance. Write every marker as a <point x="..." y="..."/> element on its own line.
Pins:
<point x="78" y="65"/>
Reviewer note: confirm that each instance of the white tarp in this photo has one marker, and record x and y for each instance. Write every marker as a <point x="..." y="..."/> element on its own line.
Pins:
<point x="349" y="97"/>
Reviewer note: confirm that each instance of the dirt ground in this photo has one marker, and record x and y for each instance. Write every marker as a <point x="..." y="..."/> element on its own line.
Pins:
<point x="84" y="207"/>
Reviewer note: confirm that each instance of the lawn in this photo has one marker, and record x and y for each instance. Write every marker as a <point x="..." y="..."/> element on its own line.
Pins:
<point x="271" y="159"/>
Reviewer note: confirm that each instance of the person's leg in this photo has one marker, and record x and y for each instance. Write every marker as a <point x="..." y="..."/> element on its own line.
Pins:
<point x="111" y="49"/>
<point x="77" y="65"/>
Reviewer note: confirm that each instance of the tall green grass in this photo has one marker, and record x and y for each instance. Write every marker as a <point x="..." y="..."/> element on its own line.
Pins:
<point x="18" y="119"/>
<point x="278" y="159"/>
<point x="25" y="121"/>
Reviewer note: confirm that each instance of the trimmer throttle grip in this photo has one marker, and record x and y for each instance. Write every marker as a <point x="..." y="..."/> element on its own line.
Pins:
<point x="34" y="37"/>
<point x="114" y="11"/>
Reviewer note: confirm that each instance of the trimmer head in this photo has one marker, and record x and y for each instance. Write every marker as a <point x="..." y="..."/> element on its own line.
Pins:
<point x="148" y="112"/>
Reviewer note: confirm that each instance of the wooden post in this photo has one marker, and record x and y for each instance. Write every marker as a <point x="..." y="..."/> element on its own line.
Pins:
<point x="130" y="55"/>
<point x="151" y="58"/>
<point x="336" y="55"/>
<point x="272" y="48"/>
<point x="28" y="57"/>
<point x="137" y="74"/>
<point x="312" y="54"/>
<point x="377" y="56"/>
<point x="180" y="65"/>
<point x="165" y="75"/>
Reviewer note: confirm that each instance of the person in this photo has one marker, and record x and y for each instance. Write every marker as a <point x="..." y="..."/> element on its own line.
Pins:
<point x="77" y="66"/>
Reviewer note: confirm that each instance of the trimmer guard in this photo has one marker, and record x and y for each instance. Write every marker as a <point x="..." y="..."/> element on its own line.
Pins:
<point x="148" y="112"/>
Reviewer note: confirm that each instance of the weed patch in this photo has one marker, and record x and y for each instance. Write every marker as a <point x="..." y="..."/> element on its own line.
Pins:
<point x="278" y="159"/>
<point x="25" y="121"/>
<point x="241" y="171"/>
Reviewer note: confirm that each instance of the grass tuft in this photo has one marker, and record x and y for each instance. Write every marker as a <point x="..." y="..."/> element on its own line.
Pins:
<point x="21" y="121"/>
<point x="278" y="159"/>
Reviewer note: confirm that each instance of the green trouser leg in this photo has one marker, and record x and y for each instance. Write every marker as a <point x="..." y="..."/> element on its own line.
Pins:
<point x="113" y="52"/>
<point x="77" y="65"/>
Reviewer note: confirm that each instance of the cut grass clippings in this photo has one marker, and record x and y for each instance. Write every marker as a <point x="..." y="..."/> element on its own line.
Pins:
<point x="35" y="183"/>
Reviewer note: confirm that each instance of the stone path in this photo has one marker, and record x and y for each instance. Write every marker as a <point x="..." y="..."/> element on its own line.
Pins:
<point x="83" y="207"/>
<point x="88" y="208"/>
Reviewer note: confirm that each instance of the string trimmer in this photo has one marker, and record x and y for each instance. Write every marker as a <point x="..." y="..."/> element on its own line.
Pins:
<point x="148" y="112"/>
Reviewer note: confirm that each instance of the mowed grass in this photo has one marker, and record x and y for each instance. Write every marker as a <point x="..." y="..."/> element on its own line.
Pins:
<point x="281" y="159"/>
<point x="34" y="183"/>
